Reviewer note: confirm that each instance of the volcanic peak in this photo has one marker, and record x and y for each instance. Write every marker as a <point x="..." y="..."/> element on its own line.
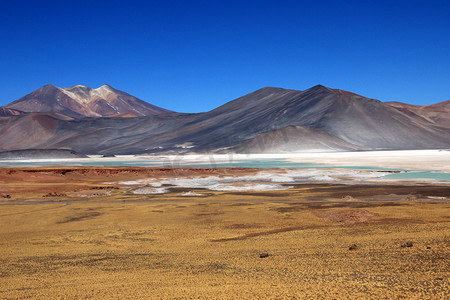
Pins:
<point x="82" y="101"/>
<point x="84" y="94"/>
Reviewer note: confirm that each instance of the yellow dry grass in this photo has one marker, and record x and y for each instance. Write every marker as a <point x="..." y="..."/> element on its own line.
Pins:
<point x="196" y="248"/>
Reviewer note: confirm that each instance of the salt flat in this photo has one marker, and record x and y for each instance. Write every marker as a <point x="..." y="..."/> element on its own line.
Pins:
<point x="405" y="159"/>
<point x="438" y="160"/>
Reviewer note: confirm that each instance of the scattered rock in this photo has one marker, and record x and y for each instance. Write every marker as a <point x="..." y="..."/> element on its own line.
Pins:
<point x="407" y="244"/>
<point x="7" y="196"/>
<point x="104" y="188"/>
<point x="54" y="194"/>
<point x="353" y="247"/>
<point x="264" y="255"/>
<point x="411" y="198"/>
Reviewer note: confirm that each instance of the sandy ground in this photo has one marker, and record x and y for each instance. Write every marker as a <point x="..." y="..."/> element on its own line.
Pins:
<point x="79" y="233"/>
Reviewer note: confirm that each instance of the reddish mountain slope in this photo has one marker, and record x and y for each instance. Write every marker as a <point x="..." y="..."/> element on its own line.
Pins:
<point x="437" y="114"/>
<point x="6" y="112"/>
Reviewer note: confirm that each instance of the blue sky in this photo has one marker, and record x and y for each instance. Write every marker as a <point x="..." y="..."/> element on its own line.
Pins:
<point x="193" y="56"/>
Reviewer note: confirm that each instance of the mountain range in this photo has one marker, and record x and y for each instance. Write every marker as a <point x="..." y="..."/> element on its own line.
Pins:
<point x="109" y="121"/>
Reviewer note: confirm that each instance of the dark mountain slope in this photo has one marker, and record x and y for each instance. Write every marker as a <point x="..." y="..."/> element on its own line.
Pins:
<point x="292" y="139"/>
<point x="362" y="122"/>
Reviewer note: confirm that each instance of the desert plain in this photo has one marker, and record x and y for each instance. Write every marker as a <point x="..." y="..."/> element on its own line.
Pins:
<point x="73" y="232"/>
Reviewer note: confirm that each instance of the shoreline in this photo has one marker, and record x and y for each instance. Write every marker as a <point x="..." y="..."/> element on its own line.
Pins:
<point x="155" y="184"/>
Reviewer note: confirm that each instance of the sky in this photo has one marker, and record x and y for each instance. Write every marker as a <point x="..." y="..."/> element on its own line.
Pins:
<point x="192" y="56"/>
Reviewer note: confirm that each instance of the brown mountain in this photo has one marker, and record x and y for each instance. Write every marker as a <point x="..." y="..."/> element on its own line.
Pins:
<point x="82" y="101"/>
<point x="267" y="120"/>
<point x="437" y="114"/>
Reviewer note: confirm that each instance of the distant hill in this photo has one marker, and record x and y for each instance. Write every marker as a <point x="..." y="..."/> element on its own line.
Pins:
<point x="267" y="120"/>
<point x="82" y="101"/>
<point x="437" y="114"/>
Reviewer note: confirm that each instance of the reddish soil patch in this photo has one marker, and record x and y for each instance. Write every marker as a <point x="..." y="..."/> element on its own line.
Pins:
<point x="23" y="183"/>
<point x="105" y="172"/>
<point x="346" y="216"/>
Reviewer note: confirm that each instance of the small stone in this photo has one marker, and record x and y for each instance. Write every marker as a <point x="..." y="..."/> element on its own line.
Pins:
<point x="264" y="255"/>
<point x="407" y="244"/>
<point x="353" y="247"/>
<point x="428" y="247"/>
